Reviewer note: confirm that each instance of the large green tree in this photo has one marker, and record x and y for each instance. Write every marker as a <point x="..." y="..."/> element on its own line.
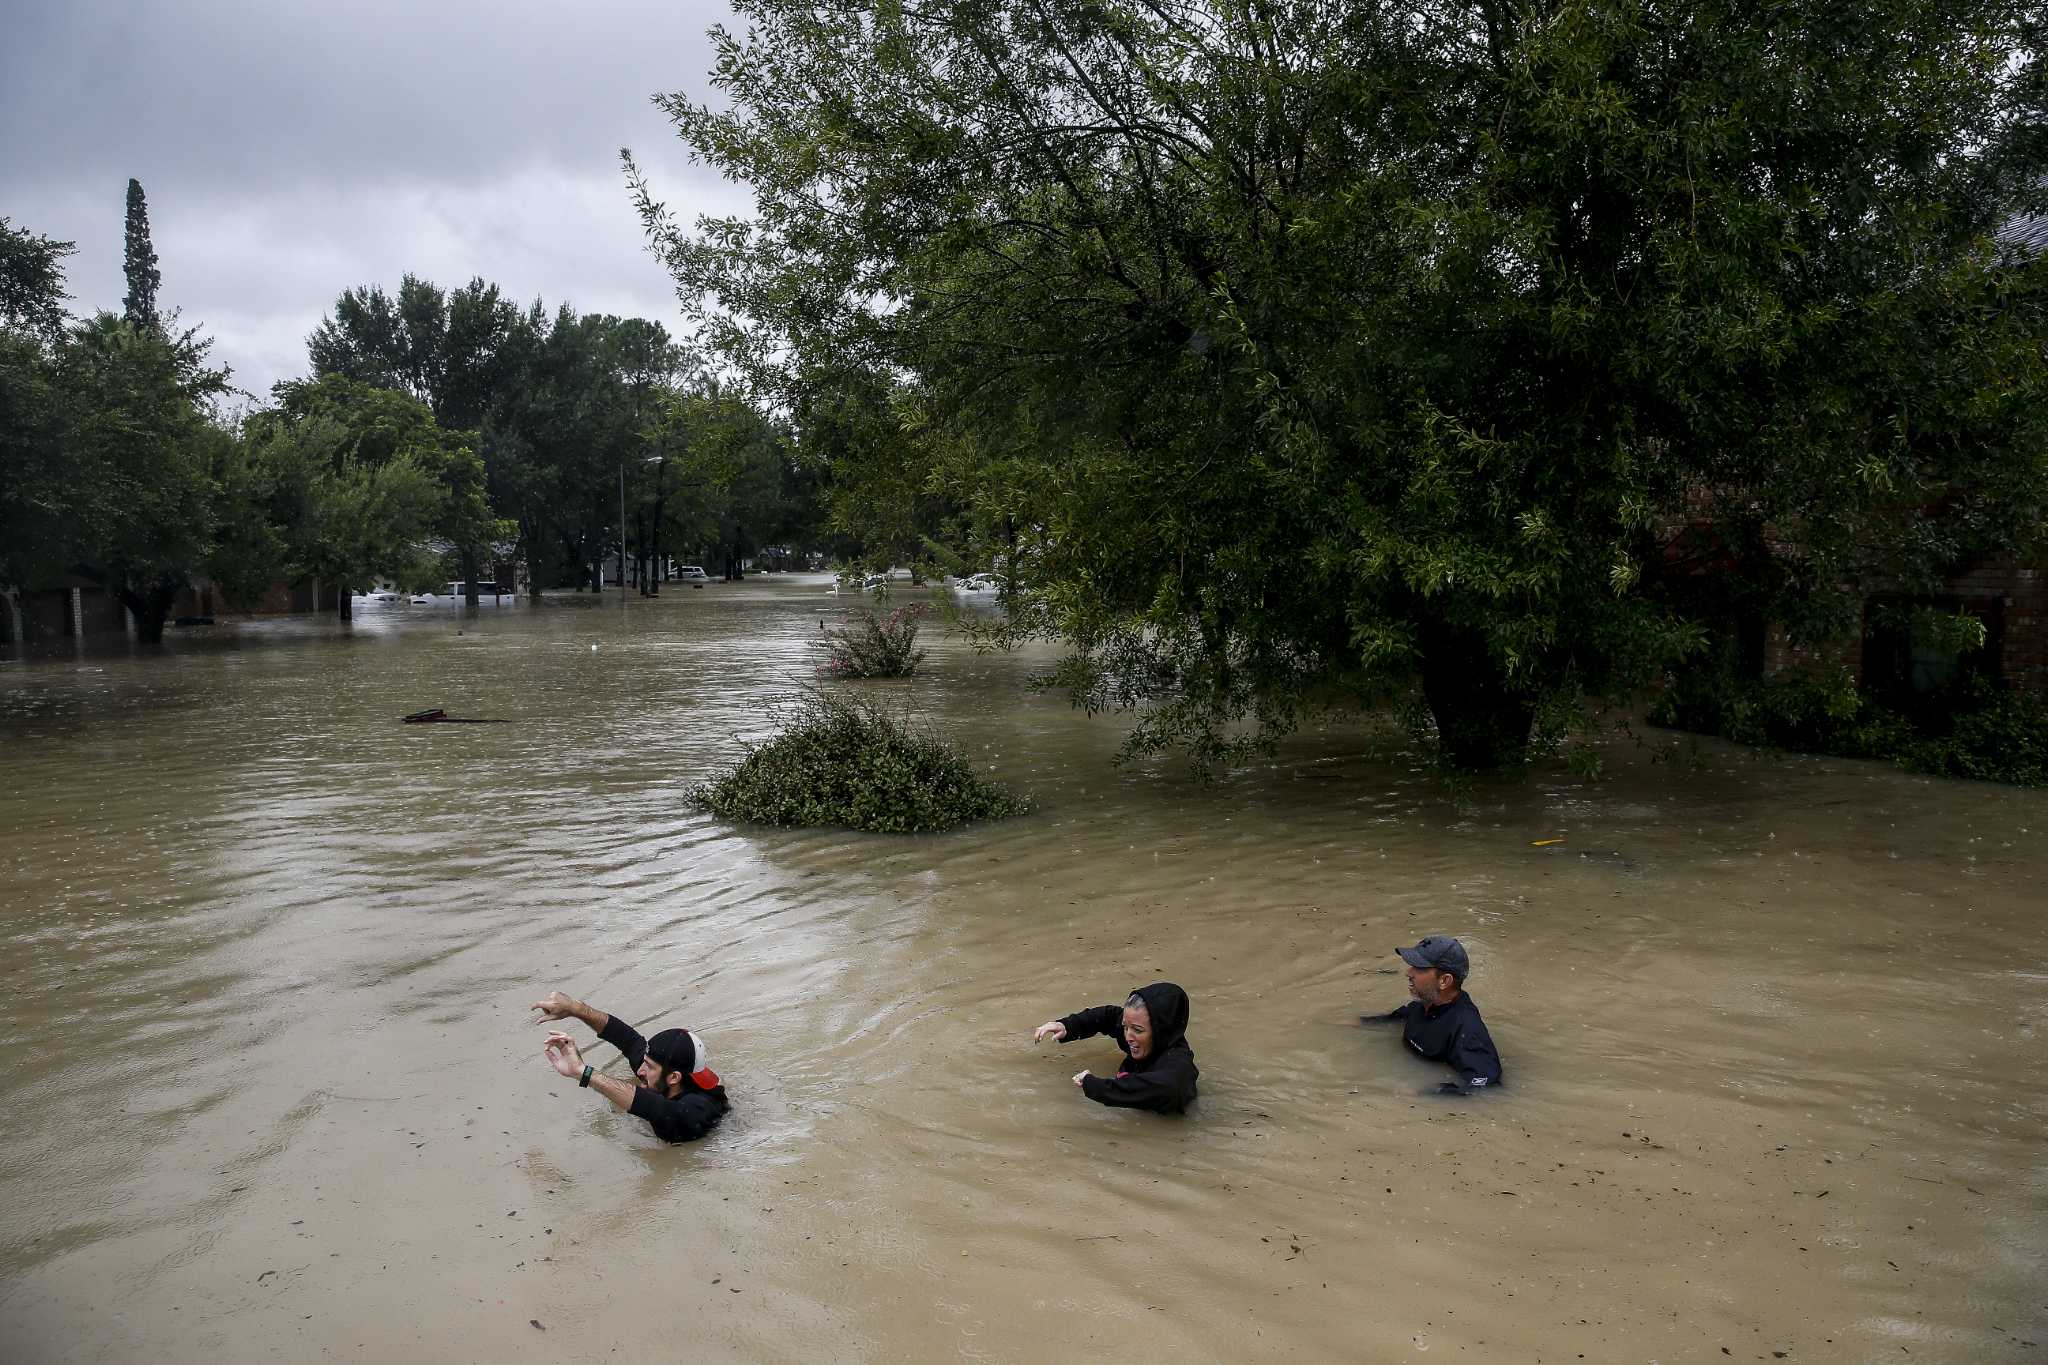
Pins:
<point x="137" y="506"/>
<point x="724" y="482"/>
<point x="112" y="460"/>
<point x="1317" y="350"/>
<point x="460" y="355"/>
<point x="356" y="479"/>
<point x="32" y="473"/>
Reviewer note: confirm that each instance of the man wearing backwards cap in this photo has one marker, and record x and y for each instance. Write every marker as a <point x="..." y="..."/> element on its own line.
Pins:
<point x="678" y="1092"/>
<point x="1441" y="1022"/>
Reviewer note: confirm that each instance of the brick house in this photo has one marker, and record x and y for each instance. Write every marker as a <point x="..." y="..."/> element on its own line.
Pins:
<point x="2008" y="595"/>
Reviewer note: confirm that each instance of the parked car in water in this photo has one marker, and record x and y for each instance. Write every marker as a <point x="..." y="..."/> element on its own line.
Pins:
<point x="692" y="573"/>
<point x="980" y="582"/>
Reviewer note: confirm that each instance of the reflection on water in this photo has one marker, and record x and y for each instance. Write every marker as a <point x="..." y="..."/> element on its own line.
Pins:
<point x="1772" y="1026"/>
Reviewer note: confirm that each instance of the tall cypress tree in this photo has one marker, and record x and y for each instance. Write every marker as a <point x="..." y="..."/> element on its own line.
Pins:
<point x="138" y="262"/>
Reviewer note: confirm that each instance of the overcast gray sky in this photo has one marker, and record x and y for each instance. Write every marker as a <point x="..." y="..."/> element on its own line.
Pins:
<point x="292" y="148"/>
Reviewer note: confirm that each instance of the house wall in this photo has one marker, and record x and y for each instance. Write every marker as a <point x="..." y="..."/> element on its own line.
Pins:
<point x="2022" y="596"/>
<point x="2019" y="595"/>
<point x="45" y="615"/>
<point x="1780" y="653"/>
<point x="279" y="599"/>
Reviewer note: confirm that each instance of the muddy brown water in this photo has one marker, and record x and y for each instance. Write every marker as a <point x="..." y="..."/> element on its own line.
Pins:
<point x="1772" y="1027"/>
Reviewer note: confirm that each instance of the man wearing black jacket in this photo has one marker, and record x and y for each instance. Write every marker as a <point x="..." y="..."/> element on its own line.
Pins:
<point x="679" y="1095"/>
<point x="1151" y="1027"/>
<point x="1441" y="1022"/>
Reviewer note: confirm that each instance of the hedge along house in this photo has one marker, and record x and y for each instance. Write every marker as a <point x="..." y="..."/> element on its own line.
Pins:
<point x="1899" y="650"/>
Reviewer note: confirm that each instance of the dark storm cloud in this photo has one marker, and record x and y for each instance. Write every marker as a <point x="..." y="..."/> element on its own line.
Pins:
<point x="290" y="150"/>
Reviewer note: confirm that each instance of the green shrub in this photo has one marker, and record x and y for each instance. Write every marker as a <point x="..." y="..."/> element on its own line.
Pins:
<point x="2003" y="739"/>
<point x="1977" y="730"/>
<point x="840" y="761"/>
<point x="874" y="646"/>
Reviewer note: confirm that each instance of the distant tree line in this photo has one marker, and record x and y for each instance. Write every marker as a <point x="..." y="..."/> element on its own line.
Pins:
<point x="436" y="431"/>
<point x="560" y="407"/>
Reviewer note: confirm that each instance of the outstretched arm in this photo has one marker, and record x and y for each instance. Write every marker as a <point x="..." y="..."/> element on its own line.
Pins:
<point x="608" y="1027"/>
<point x="1103" y="1019"/>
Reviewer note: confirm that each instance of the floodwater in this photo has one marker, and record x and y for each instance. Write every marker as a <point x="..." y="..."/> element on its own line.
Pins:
<point x="1772" y="1028"/>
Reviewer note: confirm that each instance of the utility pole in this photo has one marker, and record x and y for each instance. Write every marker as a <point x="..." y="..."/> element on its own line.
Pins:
<point x="622" y="531"/>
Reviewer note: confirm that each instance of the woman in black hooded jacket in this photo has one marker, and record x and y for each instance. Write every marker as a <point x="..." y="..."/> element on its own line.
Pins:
<point x="1151" y="1027"/>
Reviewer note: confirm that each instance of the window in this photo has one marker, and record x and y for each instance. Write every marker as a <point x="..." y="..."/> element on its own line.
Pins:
<point x="1910" y="653"/>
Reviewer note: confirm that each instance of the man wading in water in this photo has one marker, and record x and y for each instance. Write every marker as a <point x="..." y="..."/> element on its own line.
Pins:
<point x="1151" y="1027"/>
<point x="1441" y="1022"/>
<point x="678" y="1094"/>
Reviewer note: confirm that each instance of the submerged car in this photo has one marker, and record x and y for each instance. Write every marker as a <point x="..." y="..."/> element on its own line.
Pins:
<point x="692" y="573"/>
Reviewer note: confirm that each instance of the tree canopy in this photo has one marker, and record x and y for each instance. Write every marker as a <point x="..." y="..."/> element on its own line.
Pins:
<point x="357" y="479"/>
<point x="566" y="405"/>
<point x="1316" y="350"/>
<point x="32" y="283"/>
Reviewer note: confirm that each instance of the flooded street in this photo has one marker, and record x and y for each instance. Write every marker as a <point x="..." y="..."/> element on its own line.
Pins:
<point x="1772" y="1028"/>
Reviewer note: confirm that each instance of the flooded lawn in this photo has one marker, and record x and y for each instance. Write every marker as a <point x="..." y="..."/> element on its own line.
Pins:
<point x="1772" y="1028"/>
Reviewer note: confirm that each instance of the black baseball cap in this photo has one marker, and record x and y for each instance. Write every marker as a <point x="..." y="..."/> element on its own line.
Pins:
<point x="677" y="1049"/>
<point x="1441" y="952"/>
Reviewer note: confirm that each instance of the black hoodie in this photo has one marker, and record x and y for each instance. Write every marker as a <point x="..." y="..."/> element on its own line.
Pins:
<point x="1165" y="1081"/>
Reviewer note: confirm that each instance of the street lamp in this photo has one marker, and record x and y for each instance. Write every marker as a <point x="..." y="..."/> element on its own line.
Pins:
<point x="645" y="459"/>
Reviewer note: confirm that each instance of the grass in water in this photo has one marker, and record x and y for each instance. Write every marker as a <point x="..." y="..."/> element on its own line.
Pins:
<point x="839" y="761"/>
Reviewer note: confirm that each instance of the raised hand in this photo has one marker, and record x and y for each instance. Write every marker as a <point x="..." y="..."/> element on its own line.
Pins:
<point x="1054" y="1030"/>
<point x="560" y="1050"/>
<point x="556" y="1006"/>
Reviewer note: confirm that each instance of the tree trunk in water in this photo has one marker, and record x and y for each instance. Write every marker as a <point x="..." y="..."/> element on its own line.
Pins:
<point x="469" y="593"/>
<point x="150" y="608"/>
<point x="1009" y="583"/>
<point x="344" y="602"/>
<point x="1482" y="722"/>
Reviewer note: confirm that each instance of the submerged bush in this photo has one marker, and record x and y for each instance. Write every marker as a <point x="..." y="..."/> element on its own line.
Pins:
<point x="840" y="761"/>
<point x="1980" y="731"/>
<point x="875" y="646"/>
